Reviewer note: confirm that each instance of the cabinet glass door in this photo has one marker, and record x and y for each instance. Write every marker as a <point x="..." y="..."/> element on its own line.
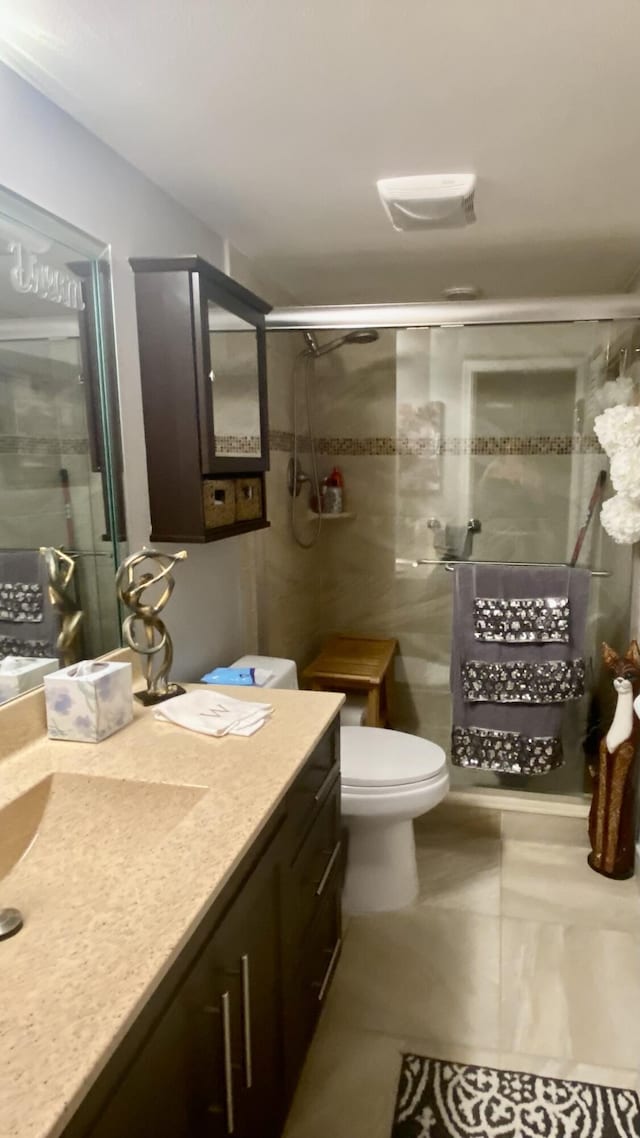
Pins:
<point x="235" y="384"/>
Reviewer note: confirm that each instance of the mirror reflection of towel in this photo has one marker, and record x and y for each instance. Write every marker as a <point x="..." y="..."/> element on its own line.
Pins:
<point x="28" y="621"/>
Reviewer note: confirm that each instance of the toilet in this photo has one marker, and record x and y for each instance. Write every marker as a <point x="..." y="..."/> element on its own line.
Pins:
<point x="388" y="778"/>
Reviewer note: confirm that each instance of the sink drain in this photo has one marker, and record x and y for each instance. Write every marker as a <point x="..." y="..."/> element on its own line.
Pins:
<point x="10" y="923"/>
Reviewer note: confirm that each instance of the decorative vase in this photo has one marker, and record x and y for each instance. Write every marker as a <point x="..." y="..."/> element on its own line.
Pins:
<point x="612" y="814"/>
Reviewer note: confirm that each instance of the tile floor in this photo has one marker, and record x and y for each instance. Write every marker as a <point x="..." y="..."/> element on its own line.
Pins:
<point x="515" y="955"/>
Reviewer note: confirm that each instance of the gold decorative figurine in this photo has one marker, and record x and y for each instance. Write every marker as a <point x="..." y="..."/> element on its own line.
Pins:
<point x="155" y="638"/>
<point x="60" y="569"/>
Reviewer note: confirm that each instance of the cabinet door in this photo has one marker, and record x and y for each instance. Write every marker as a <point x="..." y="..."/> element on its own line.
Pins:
<point x="231" y="348"/>
<point x="212" y="1066"/>
<point x="167" y="1091"/>
<point x="245" y="957"/>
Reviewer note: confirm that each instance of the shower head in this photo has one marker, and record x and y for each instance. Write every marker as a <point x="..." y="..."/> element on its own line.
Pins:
<point x="362" y="336"/>
<point x="358" y="336"/>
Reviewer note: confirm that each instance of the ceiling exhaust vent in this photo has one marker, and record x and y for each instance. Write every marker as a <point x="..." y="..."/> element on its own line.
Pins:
<point x="429" y="201"/>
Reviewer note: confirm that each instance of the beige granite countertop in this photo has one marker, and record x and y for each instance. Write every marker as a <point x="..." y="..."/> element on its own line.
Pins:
<point x="89" y="957"/>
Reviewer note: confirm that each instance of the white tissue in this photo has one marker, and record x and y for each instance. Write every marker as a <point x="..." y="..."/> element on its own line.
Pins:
<point x="212" y="713"/>
<point x="87" y="668"/>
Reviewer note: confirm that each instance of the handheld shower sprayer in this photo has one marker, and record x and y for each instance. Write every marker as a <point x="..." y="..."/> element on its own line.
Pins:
<point x="296" y="476"/>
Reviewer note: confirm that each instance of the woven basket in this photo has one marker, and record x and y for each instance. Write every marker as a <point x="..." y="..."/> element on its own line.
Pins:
<point x="248" y="499"/>
<point x="219" y="499"/>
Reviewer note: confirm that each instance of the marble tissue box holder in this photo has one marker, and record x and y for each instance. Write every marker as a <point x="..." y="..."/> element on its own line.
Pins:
<point x="87" y="702"/>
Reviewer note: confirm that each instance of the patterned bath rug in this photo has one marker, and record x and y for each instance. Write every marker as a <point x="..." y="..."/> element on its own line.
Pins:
<point x="438" y="1099"/>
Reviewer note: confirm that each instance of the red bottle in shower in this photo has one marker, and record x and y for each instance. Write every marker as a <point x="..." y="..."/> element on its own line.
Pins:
<point x="333" y="492"/>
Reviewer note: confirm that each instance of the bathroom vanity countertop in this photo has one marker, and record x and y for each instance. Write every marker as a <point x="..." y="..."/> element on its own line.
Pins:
<point x="74" y="979"/>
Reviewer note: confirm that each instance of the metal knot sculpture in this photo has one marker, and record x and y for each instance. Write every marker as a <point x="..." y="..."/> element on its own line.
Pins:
<point x="60" y="570"/>
<point x="151" y="641"/>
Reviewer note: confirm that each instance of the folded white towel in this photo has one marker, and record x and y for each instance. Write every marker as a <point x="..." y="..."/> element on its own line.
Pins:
<point x="212" y="713"/>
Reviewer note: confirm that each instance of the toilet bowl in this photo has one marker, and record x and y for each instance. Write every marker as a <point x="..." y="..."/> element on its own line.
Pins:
<point x="388" y="778"/>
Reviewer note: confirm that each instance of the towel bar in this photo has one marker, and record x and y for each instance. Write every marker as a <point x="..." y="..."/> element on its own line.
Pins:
<point x="450" y="565"/>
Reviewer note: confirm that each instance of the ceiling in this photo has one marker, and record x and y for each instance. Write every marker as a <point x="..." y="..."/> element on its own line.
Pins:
<point x="272" y="119"/>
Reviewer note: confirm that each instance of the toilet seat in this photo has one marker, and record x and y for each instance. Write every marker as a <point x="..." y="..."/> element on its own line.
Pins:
<point x="375" y="760"/>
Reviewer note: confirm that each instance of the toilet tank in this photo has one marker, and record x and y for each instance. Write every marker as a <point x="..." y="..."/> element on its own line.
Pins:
<point x="285" y="674"/>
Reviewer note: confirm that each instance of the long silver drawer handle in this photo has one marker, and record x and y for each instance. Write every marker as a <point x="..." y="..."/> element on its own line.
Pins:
<point x="246" y="1020"/>
<point x="228" y="1074"/>
<point x="330" y="968"/>
<point x="329" y="866"/>
<point x="327" y="782"/>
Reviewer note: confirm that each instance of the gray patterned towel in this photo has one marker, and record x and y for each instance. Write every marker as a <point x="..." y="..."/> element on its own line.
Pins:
<point x="517" y="657"/>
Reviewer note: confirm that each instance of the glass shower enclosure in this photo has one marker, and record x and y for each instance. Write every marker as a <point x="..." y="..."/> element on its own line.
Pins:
<point x="501" y="466"/>
<point x="466" y="433"/>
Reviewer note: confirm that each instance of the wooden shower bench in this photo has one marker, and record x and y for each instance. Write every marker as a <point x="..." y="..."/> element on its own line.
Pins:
<point x="356" y="665"/>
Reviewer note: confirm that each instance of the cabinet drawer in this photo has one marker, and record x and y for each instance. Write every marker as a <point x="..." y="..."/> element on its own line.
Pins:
<point x="314" y="869"/>
<point x="318" y="964"/>
<point x="311" y="788"/>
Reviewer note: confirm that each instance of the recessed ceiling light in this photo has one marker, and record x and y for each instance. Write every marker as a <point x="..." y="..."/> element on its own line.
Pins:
<point x="428" y="201"/>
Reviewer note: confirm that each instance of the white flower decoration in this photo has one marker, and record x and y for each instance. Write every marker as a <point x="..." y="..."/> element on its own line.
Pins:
<point x="616" y="392"/>
<point x="618" y="428"/>
<point x="620" y="517"/>
<point x="625" y="472"/>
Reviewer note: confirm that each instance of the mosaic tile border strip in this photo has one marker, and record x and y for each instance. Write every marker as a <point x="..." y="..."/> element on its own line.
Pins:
<point x="40" y="445"/>
<point x="231" y="445"/>
<point x="540" y="444"/>
<point x="434" y="447"/>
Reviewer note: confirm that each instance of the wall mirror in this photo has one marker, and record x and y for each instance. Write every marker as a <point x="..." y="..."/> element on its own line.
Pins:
<point x="235" y="384"/>
<point x="234" y="360"/>
<point x="60" y="451"/>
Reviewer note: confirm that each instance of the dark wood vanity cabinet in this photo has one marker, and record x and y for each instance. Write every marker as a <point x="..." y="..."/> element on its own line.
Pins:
<point x="204" y="393"/>
<point x="219" y="1048"/>
<point x="212" y="1065"/>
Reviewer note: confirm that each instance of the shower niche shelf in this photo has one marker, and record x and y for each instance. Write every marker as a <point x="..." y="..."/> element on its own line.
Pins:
<point x="345" y="516"/>
<point x="204" y="393"/>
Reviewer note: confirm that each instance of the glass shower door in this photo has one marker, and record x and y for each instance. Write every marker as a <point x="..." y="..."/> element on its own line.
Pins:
<point x="496" y="461"/>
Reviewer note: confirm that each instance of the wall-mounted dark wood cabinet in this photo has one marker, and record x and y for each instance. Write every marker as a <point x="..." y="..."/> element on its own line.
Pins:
<point x="204" y="393"/>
